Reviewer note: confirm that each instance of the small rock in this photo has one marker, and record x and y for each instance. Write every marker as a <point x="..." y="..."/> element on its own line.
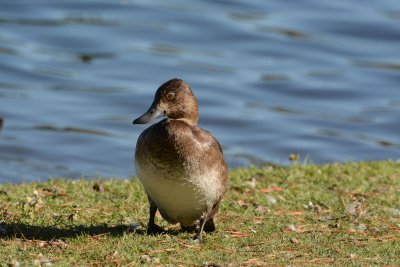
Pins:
<point x="50" y="190"/>
<point x="56" y="216"/>
<point x="35" y="202"/>
<point x="31" y="200"/>
<point x="73" y="217"/>
<point x="40" y="203"/>
<point x="156" y="260"/>
<point x="327" y="218"/>
<point x="145" y="259"/>
<point x="262" y="210"/>
<point x="289" y="255"/>
<point x="42" y="261"/>
<point x="14" y="263"/>
<point x="361" y="227"/>
<point x="356" y="208"/>
<point x="395" y="212"/>
<point x="309" y="206"/>
<point x="333" y="225"/>
<point x="271" y="200"/>
<point x="292" y="228"/>
<point x="294" y="240"/>
<point x="351" y="209"/>
<point x="251" y="183"/>
<point x="373" y="229"/>
<point x="99" y="187"/>
<point x="293" y="157"/>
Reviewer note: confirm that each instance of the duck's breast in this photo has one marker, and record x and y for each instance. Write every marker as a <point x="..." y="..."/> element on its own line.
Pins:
<point x="182" y="170"/>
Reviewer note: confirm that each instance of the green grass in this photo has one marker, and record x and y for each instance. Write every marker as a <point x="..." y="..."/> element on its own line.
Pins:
<point x="337" y="214"/>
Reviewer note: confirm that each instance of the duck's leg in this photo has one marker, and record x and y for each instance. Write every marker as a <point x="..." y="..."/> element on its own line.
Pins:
<point x="209" y="226"/>
<point x="199" y="234"/>
<point x="153" y="228"/>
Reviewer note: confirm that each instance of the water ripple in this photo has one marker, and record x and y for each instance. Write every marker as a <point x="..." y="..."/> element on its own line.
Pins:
<point x="315" y="78"/>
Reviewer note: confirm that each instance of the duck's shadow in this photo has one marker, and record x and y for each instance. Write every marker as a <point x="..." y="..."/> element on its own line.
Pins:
<point x="36" y="232"/>
<point x="49" y="233"/>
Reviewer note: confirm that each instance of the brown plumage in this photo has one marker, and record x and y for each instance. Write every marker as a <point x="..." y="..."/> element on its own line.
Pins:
<point x="180" y="165"/>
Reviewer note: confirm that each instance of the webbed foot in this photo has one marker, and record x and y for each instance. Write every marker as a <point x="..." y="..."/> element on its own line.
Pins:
<point x="155" y="230"/>
<point x="188" y="229"/>
<point x="209" y="226"/>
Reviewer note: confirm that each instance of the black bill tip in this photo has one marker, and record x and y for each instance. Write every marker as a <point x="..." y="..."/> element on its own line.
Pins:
<point x="153" y="113"/>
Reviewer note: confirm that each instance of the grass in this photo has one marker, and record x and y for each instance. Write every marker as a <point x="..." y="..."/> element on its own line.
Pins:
<point x="336" y="214"/>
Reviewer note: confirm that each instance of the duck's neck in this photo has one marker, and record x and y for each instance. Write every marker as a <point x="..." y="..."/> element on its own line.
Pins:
<point x="187" y="111"/>
<point x="192" y="122"/>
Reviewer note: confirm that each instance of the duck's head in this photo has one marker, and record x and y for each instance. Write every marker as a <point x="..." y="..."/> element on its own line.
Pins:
<point x="175" y="100"/>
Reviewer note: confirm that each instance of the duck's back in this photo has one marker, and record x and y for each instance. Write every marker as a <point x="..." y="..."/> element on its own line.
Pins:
<point x="182" y="169"/>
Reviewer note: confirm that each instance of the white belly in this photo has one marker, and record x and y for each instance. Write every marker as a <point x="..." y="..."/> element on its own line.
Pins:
<point x="180" y="198"/>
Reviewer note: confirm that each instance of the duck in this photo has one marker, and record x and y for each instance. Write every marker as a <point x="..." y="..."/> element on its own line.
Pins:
<point x="181" y="166"/>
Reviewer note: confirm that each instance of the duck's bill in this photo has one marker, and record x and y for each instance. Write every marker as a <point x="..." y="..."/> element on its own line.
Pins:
<point x="154" y="112"/>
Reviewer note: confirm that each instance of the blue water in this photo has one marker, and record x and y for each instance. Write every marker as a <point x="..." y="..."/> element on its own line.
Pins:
<point x="316" y="78"/>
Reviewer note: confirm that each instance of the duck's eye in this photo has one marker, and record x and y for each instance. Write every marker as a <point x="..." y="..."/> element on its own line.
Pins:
<point x="170" y="95"/>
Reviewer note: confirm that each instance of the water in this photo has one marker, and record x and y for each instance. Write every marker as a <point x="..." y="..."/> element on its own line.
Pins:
<point x="317" y="78"/>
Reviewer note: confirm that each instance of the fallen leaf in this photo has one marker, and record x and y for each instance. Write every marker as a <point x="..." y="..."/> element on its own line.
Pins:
<point x="67" y="204"/>
<point x="237" y="234"/>
<point x="254" y="262"/>
<point x="243" y="204"/>
<point x="272" y="189"/>
<point x="162" y="250"/>
<point x="258" y="221"/>
<point x="291" y="213"/>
